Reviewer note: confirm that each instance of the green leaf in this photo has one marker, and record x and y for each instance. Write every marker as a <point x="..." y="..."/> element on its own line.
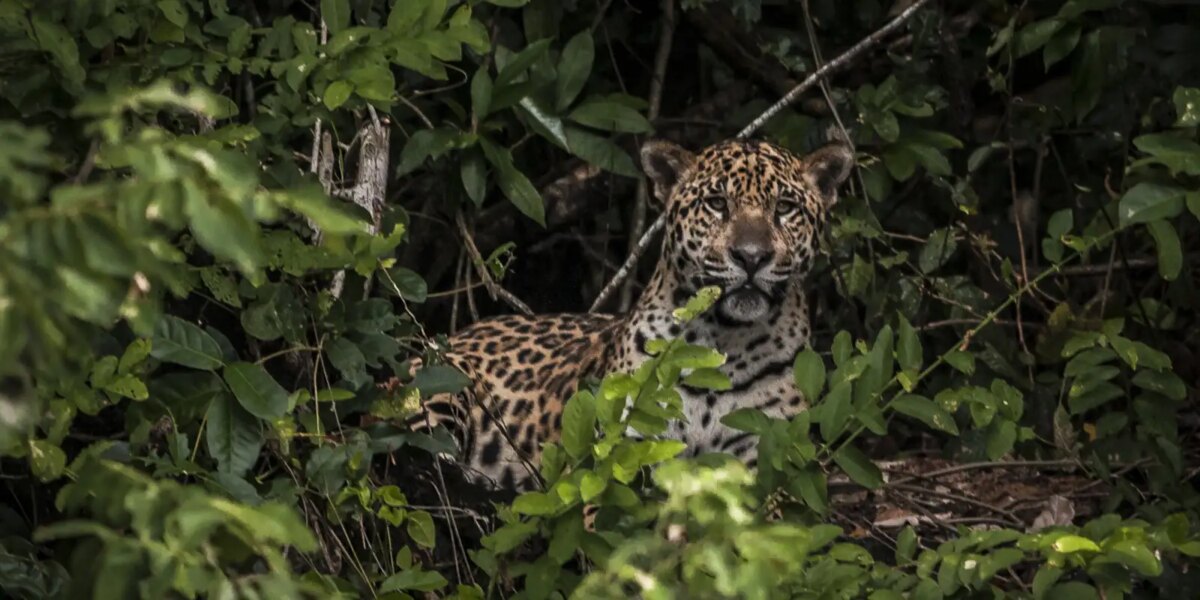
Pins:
<point x="180" y="342"/>
<point x="808" y="372"/>
<point x="1093" y="395"/>
<point x="600" y="151"/>
<point x="337" y="93"/>
<point x="232" y="435"/>
<point x="1070" y="544"/>
<point x="520" y="62"/>
<point x="222" y="228"/>
<point x="926" y="411"/>
<point x="579" y="425"/>
<point x="514" y="184"/>
<point x="1187" y="106"/>
<point x="842" y="348"/>
<point x="1046" y="576"/>
<point x="810" y="485"/>
<point x="256" y="390"/>
<point x="537" y="504"/>
<point x="481" y="93"/>
<point x="1000" y="560"/>
<point x="1000" y="439"/>
<point x="1035" y="35"/>
<point x="60" y="44"/>
<point x="574" y="67"/>
<point x="346" y="357"/>
<point x="1179" y="154"/>
<point x="961" y="360"/>
<point x="1061" y="45"/>
<point x="610" y="116"/>
<point x="835" y="411"/>
<point x="906" y="545"/>
<point x="591" y="486"/>
<point x="135" y="354"/>
<point x="708" y="379"/>
<point x="566" y="538"/>
<point x="908" y="351"/>
<point x="424" y="144"/>
<point x="46" y="460"/>
<point x="542" y="122"/>
<point x="413" y="579"/>
<point x="174" y="12"/>
<point x="508" y="537"/>
<point x="1137" y="556"/>
<point x="858" y="467"/>
<point x="1170" y="253"/>
<point x="420" y="528"/>
<point x="440" y="379"/>
<point x="509" y="3"/>
<point x="937" y="250"/>
<point x="474" y="177"/>
<point x="1166" y="383"/>
<point x="1073" y="590"/>
<point x="407" y="284"/>
<point x="336" y="14"/>
<point x="751" y="420"/>
<point x="311" y="201"/>
<point x="1147" y="202"/>
<point x="128" y="386"/>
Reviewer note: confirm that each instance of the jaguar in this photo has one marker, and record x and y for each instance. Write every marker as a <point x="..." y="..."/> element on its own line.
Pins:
<point x="743" y="215"/>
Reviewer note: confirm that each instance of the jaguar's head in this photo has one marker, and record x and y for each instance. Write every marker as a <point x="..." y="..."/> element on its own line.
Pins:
<point x="744" y="216"/>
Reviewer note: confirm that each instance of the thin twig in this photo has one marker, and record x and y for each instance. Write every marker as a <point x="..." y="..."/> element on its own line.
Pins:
<point x="494" y="290"/>
<point x="1013" y="519"/>
<point x="630" y="262"/>
<point x="661" y="56"/>
<point x="842" y="60"/>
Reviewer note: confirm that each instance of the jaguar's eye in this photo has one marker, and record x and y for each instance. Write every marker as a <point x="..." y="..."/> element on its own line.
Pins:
<point x="716" y="203"/>
<point x="786" y="208"/>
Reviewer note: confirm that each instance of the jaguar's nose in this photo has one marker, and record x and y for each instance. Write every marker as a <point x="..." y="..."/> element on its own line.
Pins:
<point x="750" y="257"/>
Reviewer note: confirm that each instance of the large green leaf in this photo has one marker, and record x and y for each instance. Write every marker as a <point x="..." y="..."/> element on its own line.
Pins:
<point x="579" y="425"/>
<point x="180" y="342"/>
<point x="926" y="411"/>
<point x="808" y="372"/>
<point x="336" y="14"/>
<point x="256" y="390"/>
<point x="232" y="435"/>
<point x="610" y="115"/>
<point x="440" y="379"/>
<point x="574" y="67"/>
<point x="860" y="468"/>
<point x="1170" y="252"/>
<point x="513" y="183"/>
<point x="222" y="228"/>
<point x="1149" y="201"/>
<point x="600" y="151"/>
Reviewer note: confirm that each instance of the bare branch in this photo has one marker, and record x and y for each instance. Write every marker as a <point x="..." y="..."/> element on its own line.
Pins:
<point x="630" y="262"/>
<point x="494" y="290"/>
<point x="844" y="59"/>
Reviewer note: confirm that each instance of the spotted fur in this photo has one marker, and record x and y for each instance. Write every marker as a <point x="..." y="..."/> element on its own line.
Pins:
<point x="742" y="215"/>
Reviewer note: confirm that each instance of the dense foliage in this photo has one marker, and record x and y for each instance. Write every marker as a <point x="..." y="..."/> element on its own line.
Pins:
<point x="221" y="223"/>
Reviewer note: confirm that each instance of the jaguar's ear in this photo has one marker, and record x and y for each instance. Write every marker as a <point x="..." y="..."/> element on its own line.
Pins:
<point x="827" y="168"/>
<point x="665" y="164"/>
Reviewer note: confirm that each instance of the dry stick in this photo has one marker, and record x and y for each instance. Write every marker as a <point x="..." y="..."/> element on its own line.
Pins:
<point x="842" y="60"/>
<point x="630" y="262"/>
<point x="656" y="92"/>
<point x="495" y="291"/>
<point x="833" y="65"/>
